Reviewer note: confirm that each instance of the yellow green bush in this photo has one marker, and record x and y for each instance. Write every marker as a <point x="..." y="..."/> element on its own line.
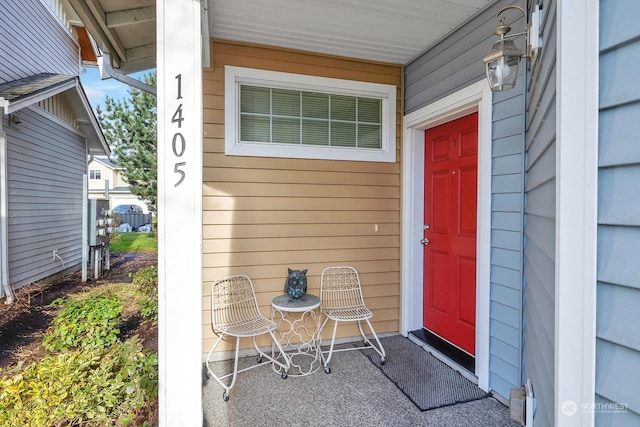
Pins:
<point x="90" y="387"/>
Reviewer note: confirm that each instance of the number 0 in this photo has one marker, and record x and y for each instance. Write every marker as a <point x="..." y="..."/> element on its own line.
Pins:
<point x="174" y="145"/>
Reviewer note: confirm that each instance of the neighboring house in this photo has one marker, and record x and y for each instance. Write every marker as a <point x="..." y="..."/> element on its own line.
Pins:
<point x="546" y="173"/>
<point x="106" y="175"/>
<point x="47" y="130"/>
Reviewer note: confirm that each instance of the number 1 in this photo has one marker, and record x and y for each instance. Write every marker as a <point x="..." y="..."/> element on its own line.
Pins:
<point x="179" y="78"/>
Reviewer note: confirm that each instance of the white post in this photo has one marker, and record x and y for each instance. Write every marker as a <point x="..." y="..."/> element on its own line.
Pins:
<point x="576" y="210"/>
<point x="179" y="212"/>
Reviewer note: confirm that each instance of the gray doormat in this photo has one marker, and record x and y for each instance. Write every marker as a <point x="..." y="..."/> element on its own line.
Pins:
<point x="424" y="379"/>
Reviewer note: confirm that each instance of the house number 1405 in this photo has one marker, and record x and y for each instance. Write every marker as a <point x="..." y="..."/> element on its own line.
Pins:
<point x="178" y="144"/>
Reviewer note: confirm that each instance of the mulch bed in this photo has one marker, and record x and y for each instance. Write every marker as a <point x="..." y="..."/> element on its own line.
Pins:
<point x="23" y="323"/>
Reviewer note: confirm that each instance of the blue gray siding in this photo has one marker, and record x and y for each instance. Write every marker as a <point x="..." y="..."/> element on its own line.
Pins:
<point x="46" y="157"/>
<point x="618" y="297"/>
<point x="447" y="67"/>
<point x="507" y="187"/>
<point x="539" y="231"/>
<point x="46" y="163"/>
<point x="34" y="42"/>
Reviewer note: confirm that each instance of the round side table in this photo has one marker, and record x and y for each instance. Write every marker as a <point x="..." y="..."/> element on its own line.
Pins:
<point x="298" y="322"/>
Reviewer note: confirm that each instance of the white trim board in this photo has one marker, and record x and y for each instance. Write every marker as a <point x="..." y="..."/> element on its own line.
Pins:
<point x="576" y="210"/>
<point x="476" y="97"/>
<point x="235" y="76"/>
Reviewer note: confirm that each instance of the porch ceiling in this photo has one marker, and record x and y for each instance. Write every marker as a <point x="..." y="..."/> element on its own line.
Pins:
<point x="380" y="30"/>
<point x="126" y="29"/>
<point x="392" y="31"/>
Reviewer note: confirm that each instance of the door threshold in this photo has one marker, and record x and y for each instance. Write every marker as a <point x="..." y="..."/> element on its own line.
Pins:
<point x="445" y="348"/>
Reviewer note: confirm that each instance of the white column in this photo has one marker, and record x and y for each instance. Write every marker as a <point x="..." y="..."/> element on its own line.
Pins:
<point x="179" y="212"/>
<point x="576" y="210"/>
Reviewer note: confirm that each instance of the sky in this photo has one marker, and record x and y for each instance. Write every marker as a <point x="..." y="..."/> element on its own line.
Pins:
<point x="97" y="89"/>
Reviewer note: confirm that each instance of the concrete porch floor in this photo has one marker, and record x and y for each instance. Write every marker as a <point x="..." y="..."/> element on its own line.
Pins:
<point x="355" y="393"/>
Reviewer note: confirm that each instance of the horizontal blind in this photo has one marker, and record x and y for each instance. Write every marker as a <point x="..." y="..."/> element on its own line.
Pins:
<point x="286" y="116"/>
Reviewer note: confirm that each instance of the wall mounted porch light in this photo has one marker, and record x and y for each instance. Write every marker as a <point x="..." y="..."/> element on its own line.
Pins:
<point x="503" y="60"/>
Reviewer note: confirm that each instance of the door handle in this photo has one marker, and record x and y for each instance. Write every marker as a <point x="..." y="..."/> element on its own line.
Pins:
<point x="424" y="241"/>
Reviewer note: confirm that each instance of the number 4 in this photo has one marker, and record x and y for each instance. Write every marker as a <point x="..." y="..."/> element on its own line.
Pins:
<point x="177" y="116"/>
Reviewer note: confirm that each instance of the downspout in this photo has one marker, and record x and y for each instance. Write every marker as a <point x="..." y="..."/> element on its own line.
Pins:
<point x="104" y="64"/>
<point x="5" y="288"/>
<point x="85" y="226"/>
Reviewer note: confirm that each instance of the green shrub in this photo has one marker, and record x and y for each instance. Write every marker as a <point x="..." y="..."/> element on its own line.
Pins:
<point x="83" y="323"/>
<point x="92" y="386"/>
<point x="146" y="280"/>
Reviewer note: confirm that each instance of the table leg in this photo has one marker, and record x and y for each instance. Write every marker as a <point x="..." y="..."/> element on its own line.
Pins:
<point x="298" y="334"/>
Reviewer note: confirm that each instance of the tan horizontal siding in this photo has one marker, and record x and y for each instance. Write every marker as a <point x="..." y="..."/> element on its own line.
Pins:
<point x="219" y="160"/>
<point x="264" y="215"/>
<point x="267" y="230"/>
<point x="279" y="189"/>
<point x="293" y="217"/>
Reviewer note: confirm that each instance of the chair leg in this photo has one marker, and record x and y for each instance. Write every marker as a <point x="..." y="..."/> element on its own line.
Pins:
<point x="234" y="374"/>
<point x="380" y="348"/>
<point x="284" y="365"/>
<point x="287" y="362"/>
<point x="364" y="337"/>
<point x="209" y="371"/>
<point x="326" y="360"/>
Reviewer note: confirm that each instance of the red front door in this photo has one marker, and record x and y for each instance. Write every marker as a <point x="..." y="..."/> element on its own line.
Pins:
<point x="450" y="205"/>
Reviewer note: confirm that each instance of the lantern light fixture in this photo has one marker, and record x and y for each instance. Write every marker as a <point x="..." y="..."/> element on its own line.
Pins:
<point x="502" y="63"/>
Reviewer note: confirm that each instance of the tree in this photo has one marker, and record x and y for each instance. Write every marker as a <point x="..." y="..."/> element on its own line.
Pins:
<point x="130" y="126"/>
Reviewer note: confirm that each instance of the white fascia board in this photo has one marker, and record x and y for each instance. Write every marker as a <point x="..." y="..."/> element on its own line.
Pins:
<point x="26" y="101"/>
<point x="92" y="128"/>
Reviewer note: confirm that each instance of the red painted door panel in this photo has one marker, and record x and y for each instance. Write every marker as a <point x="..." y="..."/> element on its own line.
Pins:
<point x="451" y="164"/>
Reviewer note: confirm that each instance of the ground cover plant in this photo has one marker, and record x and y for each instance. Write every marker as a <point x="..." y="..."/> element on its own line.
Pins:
<point x="133" y="243"/>
<point x="74" y="353"/>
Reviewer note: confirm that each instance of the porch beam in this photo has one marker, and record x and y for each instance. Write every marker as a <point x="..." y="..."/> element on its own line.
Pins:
<point x="131" y="16"/>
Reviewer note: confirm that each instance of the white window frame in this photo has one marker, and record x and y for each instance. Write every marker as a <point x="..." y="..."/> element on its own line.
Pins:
<point x="95" y="173"/>
<point x="235" y="76"/>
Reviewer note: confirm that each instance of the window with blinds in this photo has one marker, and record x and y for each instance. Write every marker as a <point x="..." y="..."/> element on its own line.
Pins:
<point x="273" y="114"/>
<point x="309" y="118"/>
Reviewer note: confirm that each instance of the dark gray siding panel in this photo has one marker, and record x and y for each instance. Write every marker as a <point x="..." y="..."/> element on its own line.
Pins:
<point x="449" y="66"/>
<point x="34" y="42"/>
<point x="46" y="163"/>
<point x="617" y="318"/>
<point x="539" y="230"/>
<point x="456" y="61"/>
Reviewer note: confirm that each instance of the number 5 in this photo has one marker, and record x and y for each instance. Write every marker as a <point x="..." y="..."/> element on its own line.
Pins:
<point x="177" y="170"/>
